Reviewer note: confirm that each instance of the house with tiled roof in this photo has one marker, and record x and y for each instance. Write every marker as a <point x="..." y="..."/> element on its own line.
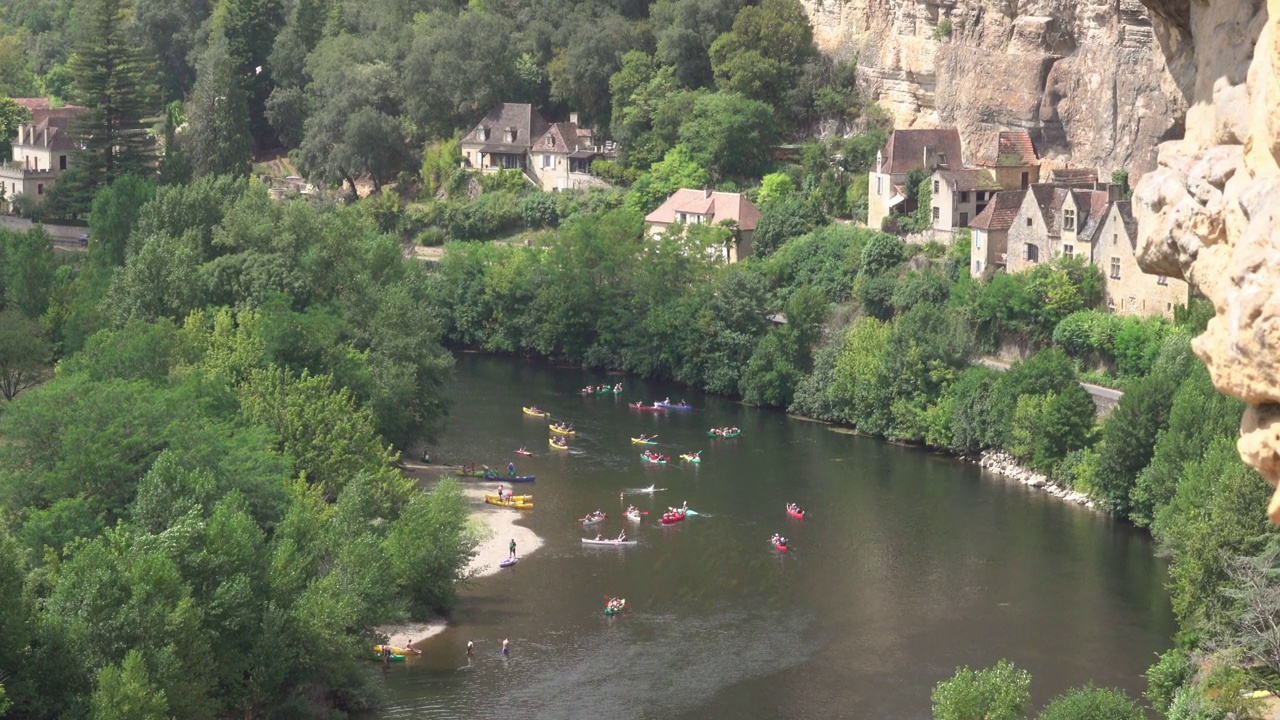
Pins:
<point x="989" y="240"/>
<point x="959" y="196"/>
<point x="42" y="149"/>
<point x="553" y="156"/>
<point x="706" y="207"/>
<point x="906" y="151"/>
<point x="1126" y="288"/>
<point x="1015" y="164"/>
<point x="1050" y="223"/>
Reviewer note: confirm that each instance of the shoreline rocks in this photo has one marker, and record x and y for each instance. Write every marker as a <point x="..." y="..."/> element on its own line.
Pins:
<point x="1002" y="463"/>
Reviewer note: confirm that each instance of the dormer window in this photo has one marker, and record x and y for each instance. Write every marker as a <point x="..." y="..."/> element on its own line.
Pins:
<point x="551" y="142"/>
<point x="511" y="135"/>
<point x="1069" y="219"/>
<point x="942" y="158"/>
<point x="484" y="134"/>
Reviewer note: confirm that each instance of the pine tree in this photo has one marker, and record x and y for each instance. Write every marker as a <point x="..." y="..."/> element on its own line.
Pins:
<point x="114" y="83"/>
<point x="250" y="27"/>
<point x="217" y="136"/>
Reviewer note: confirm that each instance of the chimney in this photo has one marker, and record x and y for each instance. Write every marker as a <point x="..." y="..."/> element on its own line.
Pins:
<point x="573" y="117"/>
<point x="1113" y="193"/>
<point x="707" y="190"/>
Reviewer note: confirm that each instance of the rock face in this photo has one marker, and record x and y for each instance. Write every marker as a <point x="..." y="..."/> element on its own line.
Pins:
<point x="1085" y="77"/>
<point x="1211" y="211"/>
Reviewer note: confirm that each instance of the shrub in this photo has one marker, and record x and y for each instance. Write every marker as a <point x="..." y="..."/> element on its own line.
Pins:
<point x="538" y="209"/>
<point x="998" y="693"/>
<point x="1091" y="703"/>
<point x="943" y="30"/>
<point x="1170" y="672"/>
<point x="781" y="220"/>
<point x="881" y="254"/>
<point x="484" y="217"/>
<point x="513" y="181"/>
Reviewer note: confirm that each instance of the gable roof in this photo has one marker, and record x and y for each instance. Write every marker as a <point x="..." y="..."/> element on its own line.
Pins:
<point x="563" y="138"/>
<point x="719" y="205"/>
<point x="50" y="127"/>
<point x="1014" y="149"/>
<point x="969" y="179"/>
<point x="998" y="215"/>
<point x="523" y="117"/>
<point x="905" y="151"/>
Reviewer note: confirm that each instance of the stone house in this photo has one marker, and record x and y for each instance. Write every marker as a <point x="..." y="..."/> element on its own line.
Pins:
<point x="1052" y="221"/>
<point x="1015" y="165"/>
<point x="959" y="196"/>
<point x="42" y="149"/>
<point x="1127" y="290"/>
<point x="707" y="207"/>
<point x="514" y="136"/>
<point x="989" y="242"/>
<point x="906" y="151"/>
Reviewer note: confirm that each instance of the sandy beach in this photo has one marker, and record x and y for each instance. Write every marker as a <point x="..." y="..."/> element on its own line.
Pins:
<point x="496" y="528"/>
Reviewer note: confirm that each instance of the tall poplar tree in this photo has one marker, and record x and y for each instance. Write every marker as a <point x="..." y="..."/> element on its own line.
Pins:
<point x="113" y="81"/>
<point x="217" y="137"/>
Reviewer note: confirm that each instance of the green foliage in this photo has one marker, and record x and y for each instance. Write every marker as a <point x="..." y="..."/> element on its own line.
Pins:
<point x="217" y="139"/>
<point x="439" y="161"/>
<point x="114" y="214"/>
<point x="729" y="134"/>
<point x="1091" y="703"/>
<point x="943" y="30"/>
<point x="1002" y="692"/>
<point x="1166" y="677"/>
<point x="781" y="220"/>
<point x="1121" y="177"/>
<point x="762" y="56"/>
<point x="24" y="353"/>
<point x="28" y="271"/>
<point x="126" y="692"/>
<point x="677" y="170"/>
<point x="539" y="211"/>
<point x="1190" y="703"/>
<point x="487" y="216"/>
<point x="775" y="186"/>
<point x="429" y="545"/>
<point x="12" y="115"/>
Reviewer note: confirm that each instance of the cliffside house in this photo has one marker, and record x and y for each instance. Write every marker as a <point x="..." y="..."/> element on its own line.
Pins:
<point x="42" y="149"/>
<point x="989" y="243"/>
<point x="1096" y="224"/>
<point x="707" y="207"/>
<point x="1015" y="165"/>
<point x="553" y="156"/>
<point x="906" y="151"/>
<point x="959" y="196"/>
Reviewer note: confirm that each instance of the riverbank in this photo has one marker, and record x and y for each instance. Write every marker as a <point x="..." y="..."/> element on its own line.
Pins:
<point x="1002" y="463"/>
<point x="495" y="528"/>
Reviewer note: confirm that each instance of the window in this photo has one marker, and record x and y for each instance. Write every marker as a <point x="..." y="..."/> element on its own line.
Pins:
<point x="1162" y="280"/>
<point x="1115" y="268"/>
<point x="964" y="219"/>
<point x="1026" y="180"/>
<point x="879" y="188"/>
<point x="1068" y="250"/>
<point x="935" y="187"/>
<point x="964" y="196"/>
<point x="1032" y="253"/>
<point x="936" y="213"/>
<point x="1115" y="238"/>
<point x="977" y="240"/>
<point x="510" y="162"/>
<point x="548" y="161"/>
<point x="977" y="266"/>
<point x="1069" y="219"/>
<point x="551" y="141"/>
<point x="942" y="158"/>
<point x="1028" y="222"/>
<point x="39" y="188"/>
<point x="484" y="133"/>
<point x="511" y="135"/>
<point x="62" y="162"/>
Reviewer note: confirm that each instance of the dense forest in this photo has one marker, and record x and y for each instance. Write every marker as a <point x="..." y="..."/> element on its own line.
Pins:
<point x="202" y="412"/>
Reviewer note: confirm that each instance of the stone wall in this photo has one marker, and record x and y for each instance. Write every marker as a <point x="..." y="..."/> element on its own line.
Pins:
<point x="1210" y="212"/>
<point x="1084" y="77"/>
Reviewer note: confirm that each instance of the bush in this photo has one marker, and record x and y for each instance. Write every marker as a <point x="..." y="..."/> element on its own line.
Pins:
<point x="484" y="217"/>
<point x="999" y="693"/>
<point x="1190" y="703"/>
<point x="781" y="220"/>
<point x="1091" y="703"/>
<point x="513" y="181"/>
<point x="613" y="172"/>
<point x="881" y="254"/>
<point x="538" y="209"/>
<point x="1170" y="672"/>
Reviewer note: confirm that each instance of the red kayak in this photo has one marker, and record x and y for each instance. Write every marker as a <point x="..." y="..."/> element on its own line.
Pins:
<point x="641" y="406"/>
<point x="780" y="548"/>
<point x="794" y="514"/>
<point x="523" y="452"/>
<point x="671" y="518"/>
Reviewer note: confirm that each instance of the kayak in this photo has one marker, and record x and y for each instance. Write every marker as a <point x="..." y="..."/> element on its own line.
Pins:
<point x="794" y="514"/>
<point x="486" y="474"/>
<point x="517" y="478"/>
<point x="638" y="441"/>
<point x="535" y="413"/>
<point x="392" y="658"/>
<point x="648" y="459"/>
<point x="690" y="512"/>
<point x="617" y="390"/>
<point x="672" y="406"/>
<point x="397" y="651"/>
<point x="726" y="436"/>
<point x="558" y="431"/>
<point x="555" y="446"/>
<point x="607" y="391"/>
<point x="634" y="517"/>
<point x="514" y="498"/>
<point x="609" y="610"/>
<point x="493" y="500"/>
<point x="780" y="548"/>
<point x="671" y="518"/>
<point x="641" y="406"/>
<point x="588" y="521"/>
<point x="690" y="457"/>
<point x="618" y="543"/>
<point x="523" y="452"/>
<point x="507" y="563"/>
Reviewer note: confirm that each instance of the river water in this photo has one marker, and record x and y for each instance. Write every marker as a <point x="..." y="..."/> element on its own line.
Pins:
<point x="910" y="565"/>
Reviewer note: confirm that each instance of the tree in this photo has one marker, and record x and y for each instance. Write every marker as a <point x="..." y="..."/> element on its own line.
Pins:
<point x="677" y="170"/>
<point x="126" y="692"/>
<point x="115" y="212"/>
<point x="24" y="353"/>
<point x="997" y="693"/>
<point x="429" y="546"/>
<point x="171" y="30"/>
<point x="783" y="219"/>
<point x="762" y="56"/>
<point x="11" y="116"/>
<point x="729" y="134"/>
<point x="217" y="138"/>
<point x="28" y="271"/>
<point x="684" y="31"/>
<point x="1091" y="703"/>
<point x="250" y="28"/>
<point x="113" y="82"/>
<point x="580" y="72"/>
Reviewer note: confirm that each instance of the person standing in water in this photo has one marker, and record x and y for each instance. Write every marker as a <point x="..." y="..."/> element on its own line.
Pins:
<point x="511" y="469"/>
<point x="471" y="647"/>
<point x="512" y="548"/>
<point x="506" y="646"/>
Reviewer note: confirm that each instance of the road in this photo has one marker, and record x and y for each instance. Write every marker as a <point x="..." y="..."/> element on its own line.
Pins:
<point x="1101" y="395"/>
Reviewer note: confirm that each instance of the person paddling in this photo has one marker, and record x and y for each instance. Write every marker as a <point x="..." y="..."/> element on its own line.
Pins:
<point x="471" y="647"/>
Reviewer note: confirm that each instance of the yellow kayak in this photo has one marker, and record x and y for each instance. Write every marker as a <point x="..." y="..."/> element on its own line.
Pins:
<point x="558" y="431"/>
<point x="493" y="500"/>
<point x="555" y="446"/>
<point x="397" y="650"/>
<point x="514" y="498"/>
<point x="534" y="412"/>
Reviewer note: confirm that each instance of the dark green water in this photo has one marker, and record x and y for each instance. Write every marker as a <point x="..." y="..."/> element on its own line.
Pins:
<point x="909" y="566"/>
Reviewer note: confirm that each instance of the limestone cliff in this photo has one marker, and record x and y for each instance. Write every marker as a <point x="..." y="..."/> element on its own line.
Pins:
<point x="1211" y="211"/>
<point x="1085" y="77"/>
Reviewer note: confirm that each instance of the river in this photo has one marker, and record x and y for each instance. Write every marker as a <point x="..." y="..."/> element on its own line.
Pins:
<point x="910" y="565"/>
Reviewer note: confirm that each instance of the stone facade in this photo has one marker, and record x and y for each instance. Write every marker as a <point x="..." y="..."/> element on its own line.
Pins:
<point x="907" y="151"/>
<point x="989" y="244"/>
<point x="552" y="156"/>
<point x="42" y="150"/>
<point x="958" y="197"/>
<point x="1127" y="290"/>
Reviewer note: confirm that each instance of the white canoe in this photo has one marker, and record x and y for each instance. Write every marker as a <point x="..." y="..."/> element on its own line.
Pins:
<point x="633" y="517"/>
<point x="589" y="541"/>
